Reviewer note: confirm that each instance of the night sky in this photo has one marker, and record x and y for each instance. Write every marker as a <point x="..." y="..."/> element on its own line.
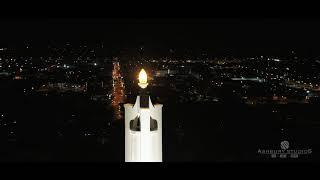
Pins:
<point x="229" y="36"/>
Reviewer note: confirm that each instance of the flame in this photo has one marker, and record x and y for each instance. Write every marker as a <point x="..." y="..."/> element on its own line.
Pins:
<point x="143" y="78"/>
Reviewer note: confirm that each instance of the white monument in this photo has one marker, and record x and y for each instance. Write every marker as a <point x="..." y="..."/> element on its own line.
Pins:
<point x="143" y="127"/>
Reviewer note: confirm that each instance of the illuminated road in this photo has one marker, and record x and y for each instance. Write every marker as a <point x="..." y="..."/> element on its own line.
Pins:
<point x="118" y="94"/>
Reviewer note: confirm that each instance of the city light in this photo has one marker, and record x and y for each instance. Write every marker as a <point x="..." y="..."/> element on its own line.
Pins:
<point x="118" y="94"/>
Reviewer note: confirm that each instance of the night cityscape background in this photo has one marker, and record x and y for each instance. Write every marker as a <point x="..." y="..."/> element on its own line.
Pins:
<point x="229" y="87"/>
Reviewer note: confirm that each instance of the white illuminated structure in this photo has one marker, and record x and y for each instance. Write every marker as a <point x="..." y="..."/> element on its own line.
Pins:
<point x="143" y="128"/>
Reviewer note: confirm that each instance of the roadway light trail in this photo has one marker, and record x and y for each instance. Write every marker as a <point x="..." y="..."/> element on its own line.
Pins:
<point x="118" y="94"/>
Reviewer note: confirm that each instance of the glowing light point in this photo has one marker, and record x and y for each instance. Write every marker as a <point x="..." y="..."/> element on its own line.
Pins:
<point x="143" y="79"/>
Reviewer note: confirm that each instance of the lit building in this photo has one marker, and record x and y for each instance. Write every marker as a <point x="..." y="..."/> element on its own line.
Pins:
<point x="143" y="128"/>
